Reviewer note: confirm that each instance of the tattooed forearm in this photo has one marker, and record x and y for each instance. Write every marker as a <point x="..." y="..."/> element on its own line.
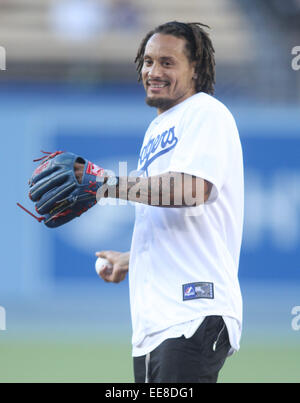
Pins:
<point x="166" y="190"/>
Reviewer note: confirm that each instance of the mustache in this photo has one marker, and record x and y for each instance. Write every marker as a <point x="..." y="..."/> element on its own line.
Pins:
<point x="155" y="80"/>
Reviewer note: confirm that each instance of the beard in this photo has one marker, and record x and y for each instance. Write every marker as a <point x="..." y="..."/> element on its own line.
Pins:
<point x="160" y="103"/>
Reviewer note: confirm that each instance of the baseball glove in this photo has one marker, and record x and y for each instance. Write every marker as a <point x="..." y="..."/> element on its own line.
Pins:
<point x="58" y="196"/>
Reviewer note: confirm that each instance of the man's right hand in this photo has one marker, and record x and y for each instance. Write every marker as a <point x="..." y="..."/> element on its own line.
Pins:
<point x="120" y="262"/>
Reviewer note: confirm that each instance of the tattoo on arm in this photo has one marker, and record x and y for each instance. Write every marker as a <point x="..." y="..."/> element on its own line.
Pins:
<point x="166" y="190"/>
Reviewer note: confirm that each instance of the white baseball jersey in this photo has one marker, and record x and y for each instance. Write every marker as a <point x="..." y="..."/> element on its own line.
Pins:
<point x="184" y="261"/>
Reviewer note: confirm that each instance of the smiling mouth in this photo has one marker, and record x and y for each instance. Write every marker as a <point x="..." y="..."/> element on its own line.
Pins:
<point x="156" y="85"/>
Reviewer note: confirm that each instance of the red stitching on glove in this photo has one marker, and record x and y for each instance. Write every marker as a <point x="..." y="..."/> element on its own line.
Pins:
<point x="92" y="185"/>
<point x="91" y="192"/>
<point x="61" y="214"/>
<point x="40" y="219"/>
<point x="84" y="209"/>
<point x="48" y="155"/>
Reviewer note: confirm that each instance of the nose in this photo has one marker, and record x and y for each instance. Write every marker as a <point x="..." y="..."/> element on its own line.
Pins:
<point x="154" y="71"/>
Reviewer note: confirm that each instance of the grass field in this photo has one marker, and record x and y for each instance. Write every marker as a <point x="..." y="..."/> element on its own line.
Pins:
<point x="106" y="362"/>
<point x="85" y="337"/>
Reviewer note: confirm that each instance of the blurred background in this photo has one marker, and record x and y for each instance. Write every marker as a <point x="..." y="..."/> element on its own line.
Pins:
<point x="68" y="81"/>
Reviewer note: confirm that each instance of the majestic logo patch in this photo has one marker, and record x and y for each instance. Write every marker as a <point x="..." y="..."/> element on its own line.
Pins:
<point x="162" y="143"/>
<point x="198" y="290"/>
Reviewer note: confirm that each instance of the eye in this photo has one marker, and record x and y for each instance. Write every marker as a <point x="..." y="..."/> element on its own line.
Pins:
<point x="167" y="63"/>
<point x="147" y="62"/>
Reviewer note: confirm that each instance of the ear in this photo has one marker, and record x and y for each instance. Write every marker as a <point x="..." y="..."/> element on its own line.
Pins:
<point x="195" y="75"/>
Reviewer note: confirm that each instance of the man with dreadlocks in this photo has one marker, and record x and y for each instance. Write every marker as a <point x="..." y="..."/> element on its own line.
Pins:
<point x="185" y="297"/>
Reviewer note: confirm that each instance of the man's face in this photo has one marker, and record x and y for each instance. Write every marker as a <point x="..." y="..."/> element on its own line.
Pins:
<point x="168" y="75"/>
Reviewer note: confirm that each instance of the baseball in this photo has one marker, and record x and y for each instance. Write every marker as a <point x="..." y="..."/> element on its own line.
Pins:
<point x="100" y="263"/>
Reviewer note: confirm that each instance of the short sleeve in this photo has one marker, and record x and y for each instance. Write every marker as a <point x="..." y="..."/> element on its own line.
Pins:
<point x="203" y="149"/>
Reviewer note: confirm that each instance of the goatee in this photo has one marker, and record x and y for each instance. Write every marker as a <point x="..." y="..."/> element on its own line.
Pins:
<point x="160" y="103"/>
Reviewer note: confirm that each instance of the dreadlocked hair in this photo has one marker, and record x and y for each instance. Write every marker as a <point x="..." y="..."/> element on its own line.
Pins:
<point x="198" y="46"/>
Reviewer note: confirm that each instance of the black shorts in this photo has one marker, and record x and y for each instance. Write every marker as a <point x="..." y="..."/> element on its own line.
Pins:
<point x="197" y="359"/>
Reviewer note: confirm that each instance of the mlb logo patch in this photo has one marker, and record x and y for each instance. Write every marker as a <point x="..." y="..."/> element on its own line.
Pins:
<point x="189" y="291"/>
<point x="198" y="290"/>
